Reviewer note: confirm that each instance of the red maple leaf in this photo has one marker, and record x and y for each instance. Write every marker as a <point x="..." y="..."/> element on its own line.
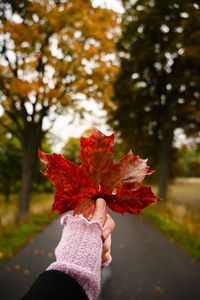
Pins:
<point x="120" y="184"/>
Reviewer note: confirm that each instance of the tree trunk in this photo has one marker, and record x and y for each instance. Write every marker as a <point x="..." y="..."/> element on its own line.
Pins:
<point x="29" y="167"/>
<point x="26" y="186"/>
<point x="7" y="191"/>
<point x="164" y="162"/>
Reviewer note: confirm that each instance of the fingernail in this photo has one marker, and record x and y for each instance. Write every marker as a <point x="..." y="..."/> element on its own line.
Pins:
<point x="100" y="203"/>
<point x="106" y="233"/>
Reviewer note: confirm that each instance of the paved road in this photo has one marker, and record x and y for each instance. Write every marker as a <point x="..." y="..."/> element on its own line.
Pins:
<point x="146" y="264"/>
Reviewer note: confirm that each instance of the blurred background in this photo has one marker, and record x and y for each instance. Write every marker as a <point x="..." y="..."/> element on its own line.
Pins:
<point x="132" y="67"/>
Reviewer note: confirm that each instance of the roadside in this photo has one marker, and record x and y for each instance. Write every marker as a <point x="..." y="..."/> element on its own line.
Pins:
<point x="14" y="236"/>
<point x="179" y="216"/>
<point x="180" y="233"/>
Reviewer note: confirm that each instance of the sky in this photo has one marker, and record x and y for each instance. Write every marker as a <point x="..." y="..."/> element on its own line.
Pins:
<point x="115" y="5"/>
<point x="70" y="125"/>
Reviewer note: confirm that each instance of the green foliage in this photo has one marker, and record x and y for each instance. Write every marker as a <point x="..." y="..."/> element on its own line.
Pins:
<point x="71" y="150"/>
<point x="194" y="166"/>
<point x="10" y="167"/>
<point x="190" y="161"/>
<point x="11" y="164"/>
<point x="158" y="86"/>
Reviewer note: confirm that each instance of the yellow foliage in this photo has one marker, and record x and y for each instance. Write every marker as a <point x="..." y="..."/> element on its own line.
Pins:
<point x="20" y="87"/>
<point x="51" y="45"/>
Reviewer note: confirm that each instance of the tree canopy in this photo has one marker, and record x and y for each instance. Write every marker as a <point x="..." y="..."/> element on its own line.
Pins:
<point x="50" y="52"/>
<point x="158" y="86"/>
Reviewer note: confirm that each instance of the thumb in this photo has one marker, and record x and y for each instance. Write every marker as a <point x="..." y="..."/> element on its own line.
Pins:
<point x="100" y="211"/>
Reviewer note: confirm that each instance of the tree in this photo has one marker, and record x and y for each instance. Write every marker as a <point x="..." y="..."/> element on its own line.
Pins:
<point x="10" y="167"/>
<point x="41" y="182"/>
<point x="71" y="150"/>
<point x="158" y="86"/>
<point x="10" y="161"/>
<point x="189" y="159"/>
<point x="50" y="52"/>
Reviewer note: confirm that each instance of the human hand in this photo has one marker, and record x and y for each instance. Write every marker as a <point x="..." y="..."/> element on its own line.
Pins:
<point x="80" y="252"/>
<point x="100" y="215"/>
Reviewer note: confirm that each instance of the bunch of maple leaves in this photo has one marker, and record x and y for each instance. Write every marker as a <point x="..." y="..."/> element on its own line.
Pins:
<point x="120" y="184"/>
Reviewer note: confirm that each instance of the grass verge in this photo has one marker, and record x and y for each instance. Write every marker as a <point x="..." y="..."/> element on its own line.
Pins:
<point x="12" y="236"/>
<point x="180" y="233"/>
<point x="15" y="236"/>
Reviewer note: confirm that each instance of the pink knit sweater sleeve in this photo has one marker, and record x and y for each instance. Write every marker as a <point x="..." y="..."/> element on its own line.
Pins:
<point x="79" y="253"/>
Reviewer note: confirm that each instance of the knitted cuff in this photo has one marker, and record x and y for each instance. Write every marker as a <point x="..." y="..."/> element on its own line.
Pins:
<point x="79" y="253"/>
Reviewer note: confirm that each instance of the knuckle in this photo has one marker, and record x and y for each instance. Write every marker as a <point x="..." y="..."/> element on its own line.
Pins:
<point x="107" y="244"/>
<point x="111" y="223"/>
<point x="109" y="240"/>
<point x="106" y="248"/>
<point x="97" y="218"/>
<point x="107" y="256"/>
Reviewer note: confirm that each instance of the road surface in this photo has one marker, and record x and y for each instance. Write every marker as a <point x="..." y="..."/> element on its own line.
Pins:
<point x="146" y="265"/>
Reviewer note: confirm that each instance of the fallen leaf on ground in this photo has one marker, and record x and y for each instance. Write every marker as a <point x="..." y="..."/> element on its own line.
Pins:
<point x="158" y="289"/>
<point x="38" y="252"/>
<point x="50" y="254"/>
<point x="17" y="267"/>
<point x="121" y="246"/>
<point x="26" y="272"/>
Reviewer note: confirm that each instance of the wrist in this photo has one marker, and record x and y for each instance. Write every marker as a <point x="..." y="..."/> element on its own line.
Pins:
<point x="79" y="252"/>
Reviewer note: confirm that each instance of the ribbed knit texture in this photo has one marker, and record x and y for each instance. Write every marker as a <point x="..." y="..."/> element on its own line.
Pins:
<point x="79" y="253"/>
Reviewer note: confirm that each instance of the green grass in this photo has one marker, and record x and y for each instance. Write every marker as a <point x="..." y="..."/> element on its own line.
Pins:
<point x="180" y="233"/>
<point x="13" y="237"/>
